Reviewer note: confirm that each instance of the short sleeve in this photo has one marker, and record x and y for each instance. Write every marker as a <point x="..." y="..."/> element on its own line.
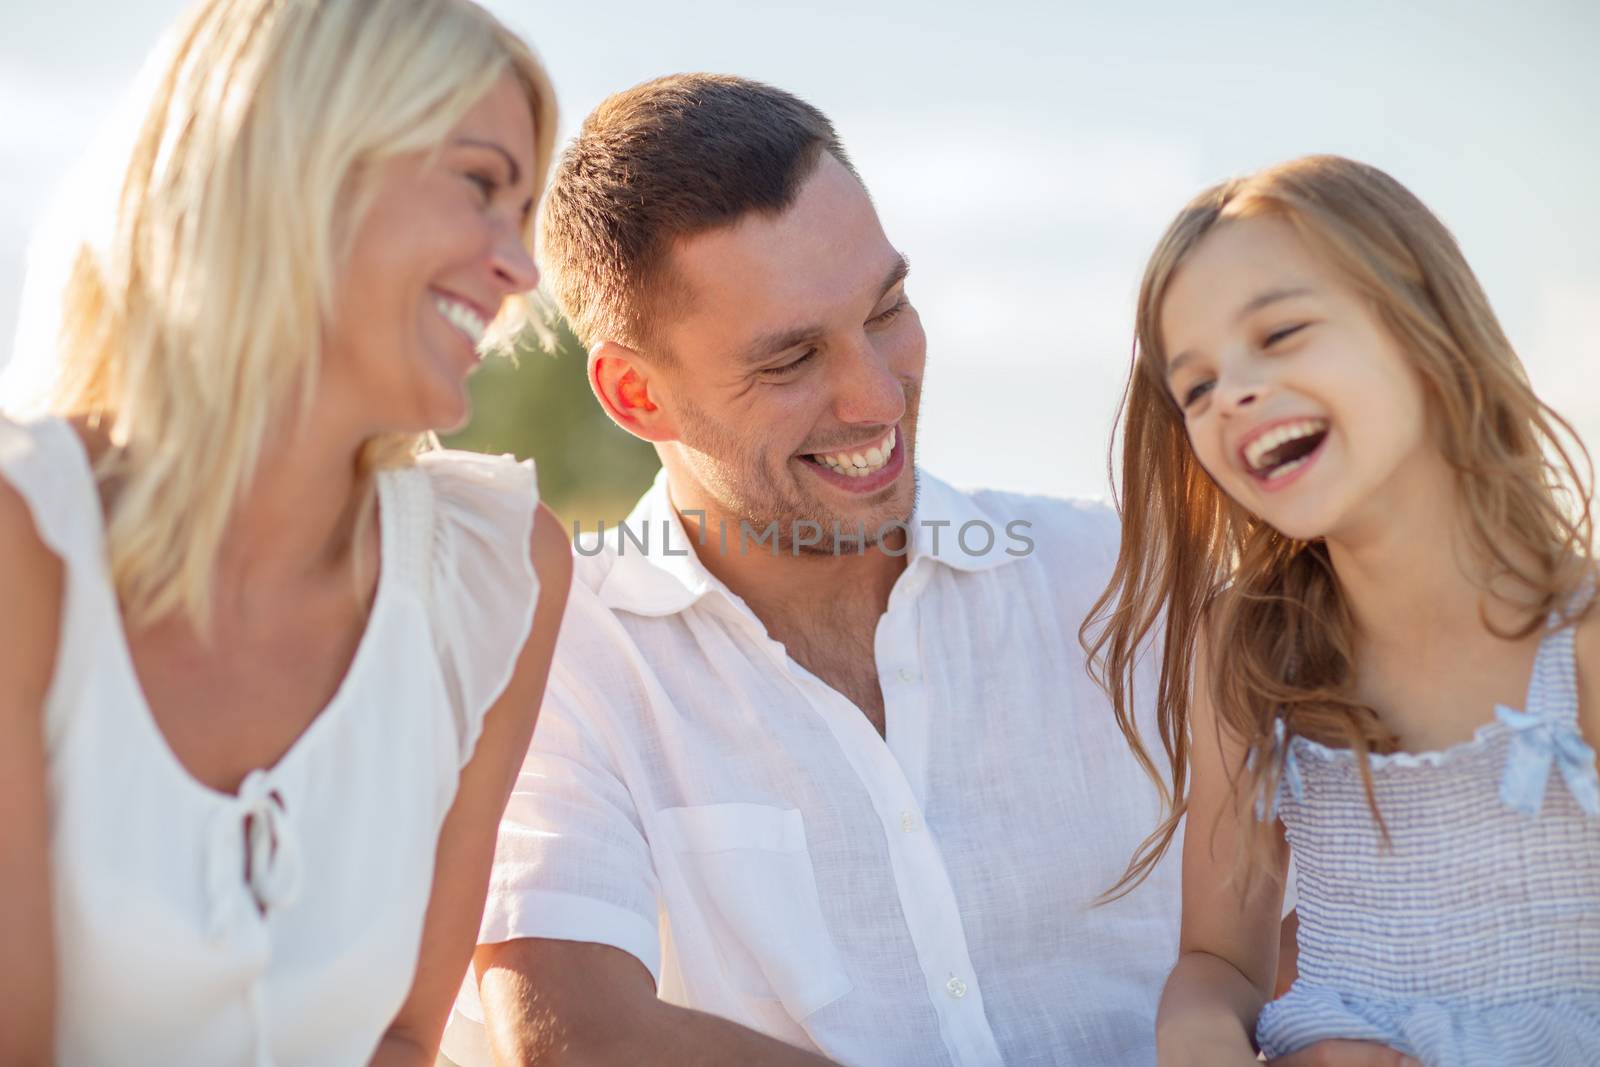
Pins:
<point x="482" y="585"/>
<point x="572" y="862"/>
<point x="44" y="463"/>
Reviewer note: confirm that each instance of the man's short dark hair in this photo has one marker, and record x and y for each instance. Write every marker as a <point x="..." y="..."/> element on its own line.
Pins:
<point x="658" y="163"/>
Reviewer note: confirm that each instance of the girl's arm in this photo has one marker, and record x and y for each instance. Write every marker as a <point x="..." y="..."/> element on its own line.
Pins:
<point x="466" y="843"/>
<point x="31" y="578"/>
<point x="1228" y="945"/>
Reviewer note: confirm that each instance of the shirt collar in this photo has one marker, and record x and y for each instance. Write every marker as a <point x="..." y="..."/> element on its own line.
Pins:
<point x="950" y="526"/>
<point x="666" y="576"/>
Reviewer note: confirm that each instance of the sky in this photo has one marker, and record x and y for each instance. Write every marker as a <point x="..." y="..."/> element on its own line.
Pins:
<point x="1026" y="156"/>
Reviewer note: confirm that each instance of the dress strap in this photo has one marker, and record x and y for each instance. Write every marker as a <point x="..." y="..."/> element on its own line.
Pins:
<point x="1545" y="735"/>
<point x="1553" y="688"/>
<point x="406" y="520"/>
<point x="1289" y="778"/>
<point x="483" y="590"/>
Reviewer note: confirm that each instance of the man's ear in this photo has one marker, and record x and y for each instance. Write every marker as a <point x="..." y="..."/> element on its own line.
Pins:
<point x="625" y="384"/>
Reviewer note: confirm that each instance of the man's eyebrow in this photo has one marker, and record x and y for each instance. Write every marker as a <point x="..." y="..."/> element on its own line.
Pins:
<point x="1254" y="304"/>
<point x="896" y="275"/>
<point x="516" y="170"/>
<point x="770" y="344"/>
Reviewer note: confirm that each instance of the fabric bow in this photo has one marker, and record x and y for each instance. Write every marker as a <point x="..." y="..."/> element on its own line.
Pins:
<point x="1289" y="776"/>
<point x="1537" y="743"/>
<point x="271" y="860"/>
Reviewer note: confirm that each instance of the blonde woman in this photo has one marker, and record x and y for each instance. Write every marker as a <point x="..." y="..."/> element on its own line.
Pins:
<point x="1370" y="545"/>
<point x="270" y="663"/>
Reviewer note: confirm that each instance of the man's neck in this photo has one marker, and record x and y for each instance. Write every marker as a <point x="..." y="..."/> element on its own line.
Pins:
<point x="823" y="608"/>
<point x="773" y="578"/>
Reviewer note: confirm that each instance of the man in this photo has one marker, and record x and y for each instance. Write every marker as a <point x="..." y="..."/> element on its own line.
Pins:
<point x="841" y="788"/>
<point x="820" y="775"/>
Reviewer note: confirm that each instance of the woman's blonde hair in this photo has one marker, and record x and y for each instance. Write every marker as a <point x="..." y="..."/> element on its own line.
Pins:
<point x="192" y="332"/>
<point x="1195" y="565"/>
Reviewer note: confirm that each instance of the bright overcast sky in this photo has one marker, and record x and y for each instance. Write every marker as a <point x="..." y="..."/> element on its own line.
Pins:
<point x="1026" y="156"/>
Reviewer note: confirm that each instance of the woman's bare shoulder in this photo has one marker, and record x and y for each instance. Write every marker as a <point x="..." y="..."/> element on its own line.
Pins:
<point x="33" y="577"/>
<point x="21" y="546"/>
<point x="550" y="549"/>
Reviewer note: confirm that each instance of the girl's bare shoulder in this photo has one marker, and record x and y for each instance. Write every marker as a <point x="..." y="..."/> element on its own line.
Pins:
<point x="1586" y="641"/>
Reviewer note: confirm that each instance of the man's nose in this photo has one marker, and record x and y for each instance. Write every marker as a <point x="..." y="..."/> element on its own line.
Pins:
<point x="869" y="392"/>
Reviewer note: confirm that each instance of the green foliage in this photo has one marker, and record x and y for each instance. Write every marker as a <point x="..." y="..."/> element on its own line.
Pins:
<point x="540" y="405"/>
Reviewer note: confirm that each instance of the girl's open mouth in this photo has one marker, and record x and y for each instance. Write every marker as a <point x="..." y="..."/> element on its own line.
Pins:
<point x="1281" y="450"/>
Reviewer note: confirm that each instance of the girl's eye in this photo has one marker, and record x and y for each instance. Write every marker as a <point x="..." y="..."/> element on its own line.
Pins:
<point x="1195" y="392"/>
<point x="1279" y="335"/>
<point x="889" y="316"/>
<point x="789" y="368"/>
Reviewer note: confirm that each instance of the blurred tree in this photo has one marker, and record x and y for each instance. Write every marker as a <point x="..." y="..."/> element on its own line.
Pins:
<point x="539" y="404"/>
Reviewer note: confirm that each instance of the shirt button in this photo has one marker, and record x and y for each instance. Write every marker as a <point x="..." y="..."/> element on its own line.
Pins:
<point x="956" y="988"/>
<point x="908" y="822"/>
<point x="907" y="674"/>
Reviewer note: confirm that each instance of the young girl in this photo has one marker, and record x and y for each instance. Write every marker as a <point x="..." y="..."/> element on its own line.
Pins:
<point x="267" y="673"/>
<point x="1367" y="547"/>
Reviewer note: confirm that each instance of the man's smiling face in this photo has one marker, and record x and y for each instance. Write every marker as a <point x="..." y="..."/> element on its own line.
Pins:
<point x="796" y="364"/>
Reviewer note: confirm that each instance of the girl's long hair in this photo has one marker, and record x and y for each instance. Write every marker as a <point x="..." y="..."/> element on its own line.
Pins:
<point x="191" y="331"/>
<point x="1193" y="564"/>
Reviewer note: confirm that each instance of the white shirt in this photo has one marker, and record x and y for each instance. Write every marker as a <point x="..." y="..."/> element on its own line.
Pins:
<point x="695" y="797"/>
<point x="282" y="924"/>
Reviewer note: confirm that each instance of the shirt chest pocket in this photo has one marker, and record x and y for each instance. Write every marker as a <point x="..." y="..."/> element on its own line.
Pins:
<point x="748" y="867"/>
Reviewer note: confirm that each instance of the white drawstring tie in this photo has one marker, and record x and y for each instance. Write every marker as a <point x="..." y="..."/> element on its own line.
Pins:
<point x="246" y="884"/>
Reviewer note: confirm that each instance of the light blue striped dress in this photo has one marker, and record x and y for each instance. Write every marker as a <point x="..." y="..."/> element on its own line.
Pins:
<point x="1473" y="940"/>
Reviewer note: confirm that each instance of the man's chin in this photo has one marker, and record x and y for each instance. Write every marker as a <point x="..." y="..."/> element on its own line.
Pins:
<point x="853" y="532"/>
<point x="819" y="523"/>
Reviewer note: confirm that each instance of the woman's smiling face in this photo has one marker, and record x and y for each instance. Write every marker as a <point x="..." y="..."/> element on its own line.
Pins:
<point x="1298" y="402"/>
<point x="437" y="253"/>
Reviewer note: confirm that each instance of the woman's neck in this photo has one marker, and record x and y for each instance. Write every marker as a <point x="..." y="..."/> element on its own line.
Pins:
<point x="299" y="516"/>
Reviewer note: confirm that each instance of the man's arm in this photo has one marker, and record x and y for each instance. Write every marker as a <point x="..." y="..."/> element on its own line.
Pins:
<point x="569" y="943"/>
<point x="577" y="1004"/>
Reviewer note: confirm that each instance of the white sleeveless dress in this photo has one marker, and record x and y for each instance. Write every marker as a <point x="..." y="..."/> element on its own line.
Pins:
<point x="282" y="925"/>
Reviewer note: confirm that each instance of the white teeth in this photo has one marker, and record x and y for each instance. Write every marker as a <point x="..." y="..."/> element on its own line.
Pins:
<point x="1256" y="453"/>
<point x="462" y="318"/>
<point x="862" y="463"/>
<point x="1288" y="468"/>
